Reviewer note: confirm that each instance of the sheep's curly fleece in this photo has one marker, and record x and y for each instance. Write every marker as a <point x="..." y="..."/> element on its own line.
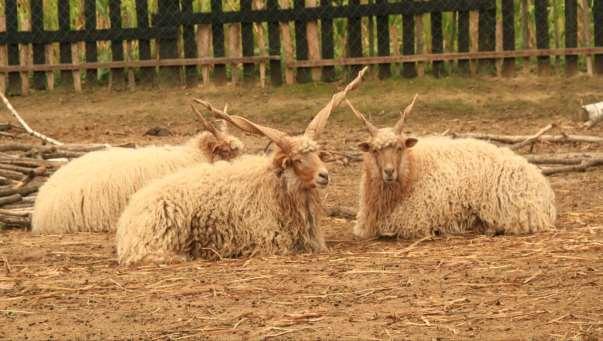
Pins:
<point x="89" y="193"/>
<point x="451" y="186"/>
<point x="220" y="210"/>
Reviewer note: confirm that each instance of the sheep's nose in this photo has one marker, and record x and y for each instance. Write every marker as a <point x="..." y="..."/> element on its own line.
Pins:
<point x="389" y="172"/>
<point x="323" y="178"/>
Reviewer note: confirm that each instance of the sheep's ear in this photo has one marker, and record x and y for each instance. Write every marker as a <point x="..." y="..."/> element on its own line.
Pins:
<point x="364" y="146"/>
<point x="320" y="120"/>
<point x="410" y="142"/>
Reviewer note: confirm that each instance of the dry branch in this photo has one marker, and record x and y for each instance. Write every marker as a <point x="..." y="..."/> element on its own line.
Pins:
<point x="532" y="139"/>
<point x="25" y="125"/>
<point x="583" y="166"/>
<point x="512" y="139"/>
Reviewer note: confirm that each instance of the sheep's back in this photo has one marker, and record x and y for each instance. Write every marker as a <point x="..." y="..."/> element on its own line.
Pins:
<point x="89" y="193"/>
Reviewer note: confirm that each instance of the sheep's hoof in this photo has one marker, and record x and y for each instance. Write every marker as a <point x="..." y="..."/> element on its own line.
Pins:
<point x="360" y="232"/>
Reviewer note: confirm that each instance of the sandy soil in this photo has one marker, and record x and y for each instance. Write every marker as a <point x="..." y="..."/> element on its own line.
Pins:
<point x="545" y="286"/>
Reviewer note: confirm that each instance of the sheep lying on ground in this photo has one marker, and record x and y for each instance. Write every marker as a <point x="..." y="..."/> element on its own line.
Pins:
<point x="89" y="193"/>
<point x="256" y="204"/>
<point x="447" y="186"/>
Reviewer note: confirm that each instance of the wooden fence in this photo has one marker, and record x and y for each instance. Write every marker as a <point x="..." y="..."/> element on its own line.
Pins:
<point x="171" y="41"/>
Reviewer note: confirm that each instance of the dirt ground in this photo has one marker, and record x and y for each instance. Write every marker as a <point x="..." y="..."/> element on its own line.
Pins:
<point x="544" y="286"/>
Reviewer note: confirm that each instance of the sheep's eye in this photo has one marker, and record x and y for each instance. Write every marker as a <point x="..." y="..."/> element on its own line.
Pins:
<point x="298" y="161"/>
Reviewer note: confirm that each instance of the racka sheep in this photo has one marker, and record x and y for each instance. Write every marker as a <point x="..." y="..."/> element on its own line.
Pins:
<point x="443" y="185"/>
<point x="257" y="204"/>
<point x="89" y="193"/>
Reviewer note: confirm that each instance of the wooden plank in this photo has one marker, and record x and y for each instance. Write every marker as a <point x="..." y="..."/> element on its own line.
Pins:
<point x="217" y="32"/>
<point x="77" y="77"/>
<point x="354" y="38"/>
<point x="234" y="51"/>
<point x="274" y="46"/>
<point x="91" y="48"/>
<point x="437" y="43"/>
<point x="571" y="35"/>
<point x="37" y="25"/>
<point x="463" y="40"/>
<point x="168" y="47"/>
<point x="474" y="43"/>
<point x="301" y="43"/>
<point x="247" y="40"/>
<point x="408" y="45"/>
<point x="487" y="36"/>
<point x="14" y="79"/>
<point x="190" y="45"/>
<point x="328" y="49"/>
<point x="383" y="42"/>
<point x="25" y="59"/>
<point x="482" y="55"/>
<point x="147" y="75"/>
<point x="65" y="48"/>
<point x="421" y="48"/>
<point x="3" y="61"/>
<point x="542" y="33"/>
<point x="313" y="42"/>
<point x="508" y="35"/>
<point x="50" y="60"/>
<point x="598" y="27"/>
<point x="585" y="20"/>
<point x="261" y="41"/>
<point x="203" y="46"/>
<point x="140" y="63"/>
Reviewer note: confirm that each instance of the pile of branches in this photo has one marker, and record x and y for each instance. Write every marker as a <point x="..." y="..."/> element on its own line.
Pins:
<point x="23" y="169"/>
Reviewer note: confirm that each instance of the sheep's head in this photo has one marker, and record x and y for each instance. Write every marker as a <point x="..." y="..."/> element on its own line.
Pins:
<point x="217" y="142"/>
<point x="386" y="146"/>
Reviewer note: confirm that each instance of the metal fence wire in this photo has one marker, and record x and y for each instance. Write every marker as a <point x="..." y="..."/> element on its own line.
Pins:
<point x="123" y="43"/>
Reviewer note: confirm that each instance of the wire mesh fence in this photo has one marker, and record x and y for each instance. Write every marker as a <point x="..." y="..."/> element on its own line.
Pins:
<point x="125" y="43"/>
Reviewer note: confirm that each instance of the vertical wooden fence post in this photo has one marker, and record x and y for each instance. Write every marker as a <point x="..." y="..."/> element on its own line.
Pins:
<point x="463" y="41"/>
<point x="313" y="42"/>
<point x="14" y="79"/>
<point x="37" y="26"/>
<point x="190" y="44"/>
<point x="117" y="48"/>
<point x="408" y="44"/>
<point x="508" y="21"/>
<point x="301" y="42"/>
<point x="354" y="40"/>
<point x="383" y="41"/>
<point x="234" y="50"/>
<point x="542" y="33"/>
<point x="274" y="46"/>
<point x="420" y="38"/>
<point x="203" y="46"/>
<point x="25" y="59"/>
<point x="585" y="20"/>
<point x="65" y="47"/>
<point x="571" y="35"/>
<point x="437" y="44"/>
<point x="91" y="50"/>
<point x="168" y="44"/>
<point x="144" y="45"/>
<point x="328" y="50"/>
<point x="487" y="34"/>
<point x="2" y="55"/>
<point x="247" y="40"/>
<point x="217" y="32"/>
<point x="598" y="22"/>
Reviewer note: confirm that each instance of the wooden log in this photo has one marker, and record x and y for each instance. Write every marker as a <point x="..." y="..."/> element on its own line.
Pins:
<point x="328" y="50"/>
<point x="285" y="28"/>
<point x="508" y="36"/>
<point x="13" y="86"/>
<point x="22" y="191"/>
<point x="582" y="167"/>
<point x="562" y="159"/>
<point x="563" y="138"/>
<point x="383" y="42"/>
<point x="37" y="26"/>
<point x="274" y="46"/>
<point x="592" y="114"/>
<point x="542" y="34"/>
<point x="13" y="221"/>
<point x="10" y="199"/>
<point x="408" y="45"/>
